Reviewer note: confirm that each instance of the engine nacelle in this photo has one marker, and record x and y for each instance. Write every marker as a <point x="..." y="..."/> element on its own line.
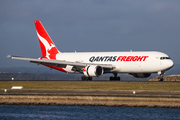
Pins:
<point x="141" y="75"/>
<point x="93" y="71"/>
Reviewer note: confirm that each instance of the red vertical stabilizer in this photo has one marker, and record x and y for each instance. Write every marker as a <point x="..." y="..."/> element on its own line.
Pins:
<point x="48" y="48"/>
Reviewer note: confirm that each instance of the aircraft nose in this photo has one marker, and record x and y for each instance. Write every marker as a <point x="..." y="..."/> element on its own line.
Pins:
<point x="170" y="64"/>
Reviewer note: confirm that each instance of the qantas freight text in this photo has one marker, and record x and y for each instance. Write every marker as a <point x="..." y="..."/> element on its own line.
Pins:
<point x="115" y="58"/>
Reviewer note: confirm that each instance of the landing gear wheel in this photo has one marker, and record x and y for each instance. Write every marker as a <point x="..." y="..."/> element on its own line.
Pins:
<point x="84" y="78"/>
<point x="90" y="78"/>
<point x="114" y="78"/>
<point x="118" y="78"/>
<point x="111" y="78"/>
<point x="161" y="79"/>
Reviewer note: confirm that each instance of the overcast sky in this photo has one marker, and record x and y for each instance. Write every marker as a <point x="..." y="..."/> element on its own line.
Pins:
<point x="89" y="25"/>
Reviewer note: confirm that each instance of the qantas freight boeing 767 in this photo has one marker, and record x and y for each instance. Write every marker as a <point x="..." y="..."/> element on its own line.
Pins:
<point x="94" y="64"/>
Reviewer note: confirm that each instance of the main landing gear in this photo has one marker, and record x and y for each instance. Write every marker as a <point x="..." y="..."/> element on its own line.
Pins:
<point x="115" y="78"/>
<point x="84" y="78"/>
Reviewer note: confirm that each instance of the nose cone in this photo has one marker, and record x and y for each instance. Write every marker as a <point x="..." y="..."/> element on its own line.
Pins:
<point x="169" y="64"/>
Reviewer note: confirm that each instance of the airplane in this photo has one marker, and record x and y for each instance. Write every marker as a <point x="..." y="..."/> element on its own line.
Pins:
<point x="140" y="64"/>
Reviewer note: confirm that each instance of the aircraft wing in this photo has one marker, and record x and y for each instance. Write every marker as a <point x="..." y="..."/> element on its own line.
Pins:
<point x="59" y="63"/>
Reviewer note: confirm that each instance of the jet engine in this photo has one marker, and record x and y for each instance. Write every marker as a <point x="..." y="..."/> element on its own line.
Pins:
<point x="93" y="71"/>
<point x="141" y="75"/>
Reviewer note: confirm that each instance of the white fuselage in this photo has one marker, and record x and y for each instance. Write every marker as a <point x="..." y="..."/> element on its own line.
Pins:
<point x="123" y="62"/>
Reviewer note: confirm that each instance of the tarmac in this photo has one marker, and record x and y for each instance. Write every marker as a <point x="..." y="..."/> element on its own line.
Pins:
<point x="125" y="98"/>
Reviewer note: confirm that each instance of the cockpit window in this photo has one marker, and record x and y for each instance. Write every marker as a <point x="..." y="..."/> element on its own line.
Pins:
<point x="163" y="58"/>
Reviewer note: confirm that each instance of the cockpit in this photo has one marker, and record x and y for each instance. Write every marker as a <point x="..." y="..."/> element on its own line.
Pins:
<point x="164" y="58"/>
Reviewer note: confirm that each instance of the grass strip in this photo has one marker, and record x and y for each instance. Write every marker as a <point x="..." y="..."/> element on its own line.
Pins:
<point x="167" y="86"/>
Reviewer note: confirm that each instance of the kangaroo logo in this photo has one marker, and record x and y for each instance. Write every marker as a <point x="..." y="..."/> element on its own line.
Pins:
<point x="50" y="48"/>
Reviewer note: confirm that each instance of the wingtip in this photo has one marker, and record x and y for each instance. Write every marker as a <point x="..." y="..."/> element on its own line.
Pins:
<point x="9" y="56"/>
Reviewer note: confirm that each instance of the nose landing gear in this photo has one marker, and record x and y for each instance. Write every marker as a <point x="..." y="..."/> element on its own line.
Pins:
<point x="161" y="78"/>
<point x="161" y="75"/>
<point x="115" y="78"/>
